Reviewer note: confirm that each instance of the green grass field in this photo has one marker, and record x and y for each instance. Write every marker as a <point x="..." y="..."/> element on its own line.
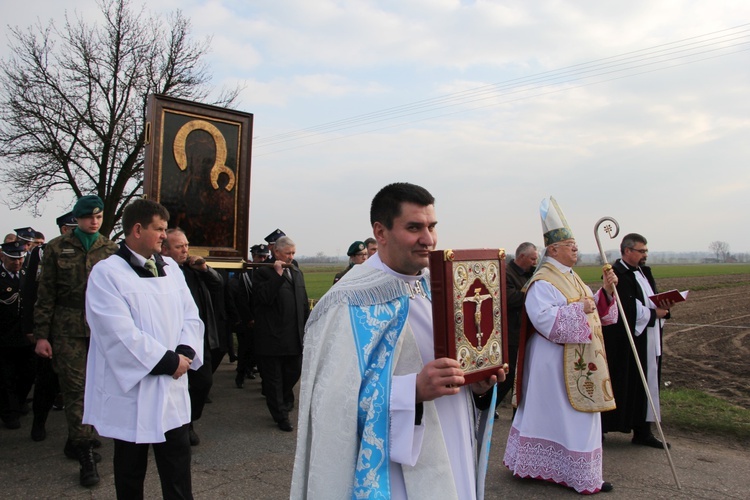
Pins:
<point x="590" y="274"/>
<point x="698" y="412"/>
<point x="319" y="277"/>
<point x="685" y="409"/>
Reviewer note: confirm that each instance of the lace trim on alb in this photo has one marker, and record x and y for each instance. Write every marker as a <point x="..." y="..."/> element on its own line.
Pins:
<point x="543" y="459"/>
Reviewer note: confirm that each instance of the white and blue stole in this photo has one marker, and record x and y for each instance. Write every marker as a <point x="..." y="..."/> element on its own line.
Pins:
<point x="378" y="313"/>
<point x="376" y="331"/>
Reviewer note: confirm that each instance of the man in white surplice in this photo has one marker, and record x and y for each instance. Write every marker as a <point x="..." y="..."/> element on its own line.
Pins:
<point x="145" y="335"/>
<point x="379" y="417"/>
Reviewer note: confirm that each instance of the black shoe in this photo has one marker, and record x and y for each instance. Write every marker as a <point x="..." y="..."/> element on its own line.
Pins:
<point x="606" y="487"/>
<point x="285" y="426"/>
<point x="251" y="376"/>
<point x="71" y="452"/>
<point x="89" y="476"/>
<point x="209" y="400"/>
<point x="194" y="439"/>
<point x="239" y="382"/>
<point x="38" y="431"/>
<point x="651" y="441"/>
<point x="12" y="423"/>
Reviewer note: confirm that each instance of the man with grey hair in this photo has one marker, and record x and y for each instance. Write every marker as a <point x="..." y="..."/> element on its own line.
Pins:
<point x="518" y="271"/>
<point x="281" y="310"/>
<point x="206" y="286"/>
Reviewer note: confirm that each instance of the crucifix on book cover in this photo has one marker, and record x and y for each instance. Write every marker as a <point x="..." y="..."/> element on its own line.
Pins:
<point x="469" y="309"/>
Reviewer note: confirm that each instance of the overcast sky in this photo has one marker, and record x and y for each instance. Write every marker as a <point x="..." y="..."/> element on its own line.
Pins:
<point x="636" y="109"/>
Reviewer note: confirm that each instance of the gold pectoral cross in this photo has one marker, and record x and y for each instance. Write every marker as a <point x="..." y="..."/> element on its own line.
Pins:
<point x="477" y="299"/>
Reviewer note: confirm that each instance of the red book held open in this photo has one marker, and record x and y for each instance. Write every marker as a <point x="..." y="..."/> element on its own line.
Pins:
<point x="673" y="295"/>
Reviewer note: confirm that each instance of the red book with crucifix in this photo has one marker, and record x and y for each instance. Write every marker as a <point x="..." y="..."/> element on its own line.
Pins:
<point x="469" y="309"/>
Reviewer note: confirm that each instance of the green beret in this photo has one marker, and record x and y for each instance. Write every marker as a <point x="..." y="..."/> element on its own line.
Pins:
<point x="355" y="247"/>
<point x="88" y="205"/>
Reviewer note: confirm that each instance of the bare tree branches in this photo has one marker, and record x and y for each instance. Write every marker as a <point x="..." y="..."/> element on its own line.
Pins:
<point x="73" y="102"/>
<point x="720" y="249"/>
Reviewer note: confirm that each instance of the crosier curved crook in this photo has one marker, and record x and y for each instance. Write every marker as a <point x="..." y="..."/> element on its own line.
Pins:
<point x="612" y="233"/>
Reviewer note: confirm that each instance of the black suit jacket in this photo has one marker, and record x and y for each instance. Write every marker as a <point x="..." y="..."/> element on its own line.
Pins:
<point x="30" y="287"/>
<point x="240" y="301"/>
<point x="207" y="289"/>
<point x="281" y="309"/>
<point x="627" y="386"/>
<point x="515" y="279"/>
<point x="11" y="309"/>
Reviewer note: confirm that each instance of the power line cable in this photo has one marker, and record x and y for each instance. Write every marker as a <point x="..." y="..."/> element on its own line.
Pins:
<point x="531" y="86"/>
<point x="574" y="69"/>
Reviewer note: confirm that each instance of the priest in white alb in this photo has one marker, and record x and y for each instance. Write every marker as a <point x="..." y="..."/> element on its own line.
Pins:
<point x="379" y="416"/>
<point x="562" y="381"/>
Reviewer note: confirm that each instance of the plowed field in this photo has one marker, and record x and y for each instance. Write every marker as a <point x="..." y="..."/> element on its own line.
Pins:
<point x="707" y="341"/>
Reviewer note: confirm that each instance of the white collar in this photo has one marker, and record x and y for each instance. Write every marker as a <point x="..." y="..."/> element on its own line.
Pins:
<point x="560" y="266"/>
<point x="376" y="263"/>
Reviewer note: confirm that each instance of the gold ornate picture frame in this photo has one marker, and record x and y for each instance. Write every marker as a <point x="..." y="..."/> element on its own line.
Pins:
<point x="198" y="166"/>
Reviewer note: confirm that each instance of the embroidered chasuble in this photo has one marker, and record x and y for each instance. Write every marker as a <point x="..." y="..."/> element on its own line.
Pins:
<point x="587" y="379"/>
<point x="549" y="438"/>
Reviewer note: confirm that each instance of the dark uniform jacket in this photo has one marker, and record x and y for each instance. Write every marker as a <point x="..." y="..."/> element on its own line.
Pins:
<point x="66" y="265"/>
<point x="207" y="289"/>
<point x="341" y="274"/>
<point x="11" y="309"/>
<point x="30" y="286"/>
<point x="281" y="310"/>
<point x="240" y="301"/>
<point x="627" y="386"/>
<point x="515" y="279"/>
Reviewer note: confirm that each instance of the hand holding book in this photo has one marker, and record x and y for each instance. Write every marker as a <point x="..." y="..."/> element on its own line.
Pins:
<point x="671" y="296"/>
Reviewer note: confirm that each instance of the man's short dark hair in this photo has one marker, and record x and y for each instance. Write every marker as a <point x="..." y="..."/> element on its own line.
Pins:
<point x="370" y="241"/>
<point x="142" y="211"/>
<point x="630" y="240"/>
<point x="386" y="205"/>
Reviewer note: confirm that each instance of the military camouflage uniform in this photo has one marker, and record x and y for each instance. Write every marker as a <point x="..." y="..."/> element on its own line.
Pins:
<point x="59" y="318"/>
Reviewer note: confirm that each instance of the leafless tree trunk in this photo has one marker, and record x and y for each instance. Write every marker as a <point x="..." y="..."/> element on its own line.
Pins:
<point x="73" y="103"/>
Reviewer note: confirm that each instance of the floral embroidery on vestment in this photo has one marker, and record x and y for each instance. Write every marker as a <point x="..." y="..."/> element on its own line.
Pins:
<point x="376" y="331"/>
